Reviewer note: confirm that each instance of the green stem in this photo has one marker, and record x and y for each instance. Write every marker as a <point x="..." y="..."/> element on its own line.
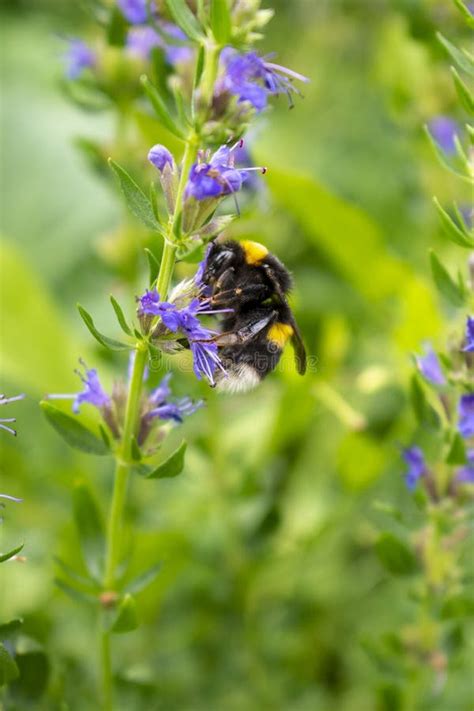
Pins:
<point x="106" y="667"/>
<point x="209" y="73"/>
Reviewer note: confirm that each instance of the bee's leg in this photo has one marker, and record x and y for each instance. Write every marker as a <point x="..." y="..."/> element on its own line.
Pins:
<point x="256" y="292"/>
<point x="225" y="280"/>
<point x="244" y="334"/>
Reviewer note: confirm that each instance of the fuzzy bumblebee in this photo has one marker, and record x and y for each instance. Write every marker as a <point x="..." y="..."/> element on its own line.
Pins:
<point x="247" y="279"/>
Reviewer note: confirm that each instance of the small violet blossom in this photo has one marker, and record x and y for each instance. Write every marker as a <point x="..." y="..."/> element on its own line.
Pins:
<point x="413" y="456"/>
<point x="141" y="40"/>
<point x="465" y="474"/>
<point x="135" y="11"/>
<point x="444" y="130"/>
<point x="78" y="57"/>
<point x="185" y="321"/>
<point x="430" y="367"/>
<point x="5" y="401"/>
<point x="251" y="78"/>
<point x="159" y="156"/>
<point x="217" y="176"/>
<point x="166" y="409"/>
<point x="469" y="347"/>
<point x="466" y="415"/>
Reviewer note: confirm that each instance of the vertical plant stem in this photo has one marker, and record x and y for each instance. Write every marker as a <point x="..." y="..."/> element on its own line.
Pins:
<point x="106" y="668"/>
<point x="209" y="74"/>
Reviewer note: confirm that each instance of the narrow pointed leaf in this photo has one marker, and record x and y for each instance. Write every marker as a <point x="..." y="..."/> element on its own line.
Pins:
<point x="183" y="17"/>
<point x="445" y="284"/>
<point x="463" y="59"/>
<point x="465" y="12"/>
<point x="161" y="109"/>
<point x="154" y="201"/>
<point x="221" y="24"/>
<point x="443" y="160"/>
<point x="465" y="96"/>
<point x="136" y="452"/>
<point x="120" y="316"/>
<point x="153" y="266"/>
<point x="75" y="578"/>
<point x="126" y="618"/>
<point x="10" y="554"/>
<point x="172" y="466"/>
<point x="105" y="436"/>
<point x="72" y="431"/>
<point x="73" y="593"/>
<point x="143" y="580"/>
<point x="109" y="343"/>
<point x="8" y="668"/>
<point x="90" y="529"/>
<point x="455" y="233"/>
<point x="457" y="451"/>
<point x="136" y="199"/>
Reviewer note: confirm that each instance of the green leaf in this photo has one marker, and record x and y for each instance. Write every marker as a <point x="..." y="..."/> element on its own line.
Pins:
<point x="10" y="554"/>
<point x="34" y="668"/>
<point x="9" y="629"/>
<point x="109" y="343"/>
<point x="136" y="452"/>
<point x="161" y="110"/>
<point x="75" y="578"/>
<point x="465" y="96"/>
<point x="154" y="201"/>
<point x="457" y="450"/>
<point x="183" y="17"/>
<point x="424" y="412"/>
<point x="463" y="59"/>
<point x="126" y="618"/>
<point x="120" y="316"/>
<point x="143" y="580"/>
<point x="172" y="466"/>
<point x="8" y="667"/>
<point x="395" y="555"/>
<point x="465" y="12"/>
<point x="445" y="284"/>
<point x="455" y="233"/>
<point x="221" y="24"/>
<point x="137" y="201"/>
<point x="72" y="431"/>
<point x="153" y="266"/>
<point x="74" y="593"/>
<point x="90" y="528"/>
<point x="441" y="156"/>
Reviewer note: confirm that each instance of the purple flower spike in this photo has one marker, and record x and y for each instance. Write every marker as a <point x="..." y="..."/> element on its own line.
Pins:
<point x="141" y="40"/>
<point x="469" y="347"/>
<point x="253" y="79"/>
<point x="465" y="474"/>
<point x="217" y="176"/>
<point x="430" y="367"/>
<point x="93" y="393"/>
<point x="444" y="130"/>
<point x="78" y="57"/>
<point x="135" y="11"/>
<point x="466" y="415"/>
<point x="413" y="456"/>
<point x="159" y="156"/>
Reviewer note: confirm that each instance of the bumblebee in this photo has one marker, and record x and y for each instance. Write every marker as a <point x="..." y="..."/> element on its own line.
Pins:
<point x="253" y="284"/>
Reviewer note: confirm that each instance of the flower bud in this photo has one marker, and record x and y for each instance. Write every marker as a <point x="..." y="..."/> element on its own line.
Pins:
<point x="160" y="156"/>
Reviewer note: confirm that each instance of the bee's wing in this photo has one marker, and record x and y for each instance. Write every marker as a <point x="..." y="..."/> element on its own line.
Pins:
<point x="296" y="338"/>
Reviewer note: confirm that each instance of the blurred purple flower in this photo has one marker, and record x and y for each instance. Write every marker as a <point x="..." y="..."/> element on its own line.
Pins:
<point x="5" y="401"/>
<point x="142" y="39"/>
<point x="78" y="57"/>
<point x="159" y="156"/>
<point x="413" y="456"/>
<point x="166" y="409"/>
<point x="430" y="367"/>
<point x="253" y="79"/>
<point x="444" y="130"/>
<point x="465" y="474"/>
<point x="135" y="11"/>
<point x="217" y="176"/>
<point x="466" y="415"/>
<point x="176" y="53"/>
<point x="93" y="392"/>
<point x="469" y="347"/>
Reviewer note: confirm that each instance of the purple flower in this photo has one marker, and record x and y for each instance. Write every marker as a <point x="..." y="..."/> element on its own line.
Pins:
<point x="159" y="156"/>
<point x="443" y="130"/>
<point x="78" y="58"/>
<point x="430" y="367"/>
<point x="469" y="347"/>
<point x="175" y="53"/>
<point x="151" y="305"/>
<point x="135" y="11"/>
<point x="253" y="79"/>
<point x="413" y="456"/>
<point x="5" y="401"/>
<point x="465" y="474"/>
<point x="141" y="40"/>
<point x="166" y="409"/>
<point x="217" y="176"/>
<point x="466" y="415"/>
<point x="93" y="392"/>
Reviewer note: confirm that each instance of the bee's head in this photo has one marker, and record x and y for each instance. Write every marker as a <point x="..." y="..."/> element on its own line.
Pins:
<point x="220" y="257"/>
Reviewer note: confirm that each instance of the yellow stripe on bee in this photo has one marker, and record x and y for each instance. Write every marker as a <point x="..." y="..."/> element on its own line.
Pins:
<point x="254" y="251"/>
<point x="279" y="333"/>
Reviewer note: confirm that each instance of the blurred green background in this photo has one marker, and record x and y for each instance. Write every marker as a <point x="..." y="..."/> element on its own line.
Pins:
<point x="270" y="595"/>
